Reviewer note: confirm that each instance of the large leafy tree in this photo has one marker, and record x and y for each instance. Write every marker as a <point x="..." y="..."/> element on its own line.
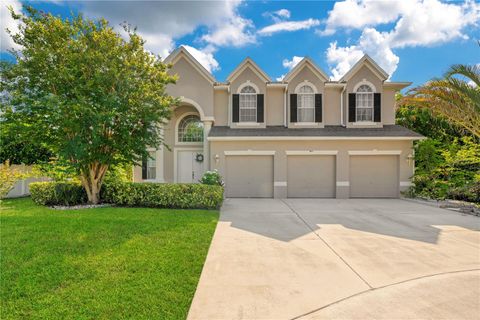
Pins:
<point x="456" y="97"/>
<point x="95" y="98"/>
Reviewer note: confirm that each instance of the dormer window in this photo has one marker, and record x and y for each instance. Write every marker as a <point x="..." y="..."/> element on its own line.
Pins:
<point x="364" y="103"/>
<point x="248" y="104"/>
<point x="306" y="104"/>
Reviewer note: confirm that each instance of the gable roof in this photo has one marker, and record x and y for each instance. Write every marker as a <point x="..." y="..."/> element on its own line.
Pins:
<point x="182" y="52"/>
<point x="370" y="63"/>
<point x="306" y="62"/>
<point x="248" y="63"/>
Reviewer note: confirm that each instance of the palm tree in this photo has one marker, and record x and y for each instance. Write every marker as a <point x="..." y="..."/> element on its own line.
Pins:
<point x="456" y="97"/>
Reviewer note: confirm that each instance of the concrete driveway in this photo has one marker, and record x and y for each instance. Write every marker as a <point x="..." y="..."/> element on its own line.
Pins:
<point x="350" y="259"/>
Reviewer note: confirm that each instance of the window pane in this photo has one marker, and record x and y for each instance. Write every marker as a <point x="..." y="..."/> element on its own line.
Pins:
<point x="306" y="106"/>
<point x="190" y="129"/>
<point x="152" y="166"/>
<point x="364" y="104"/>
<point x="306" y="115"/>
<point x="248" y="107"/>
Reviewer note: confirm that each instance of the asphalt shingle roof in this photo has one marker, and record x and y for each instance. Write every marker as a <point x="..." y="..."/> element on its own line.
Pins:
<point x="328" y="131"/>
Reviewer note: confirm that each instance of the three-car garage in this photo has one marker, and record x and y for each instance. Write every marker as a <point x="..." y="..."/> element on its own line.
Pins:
<point x="311" y="174"/>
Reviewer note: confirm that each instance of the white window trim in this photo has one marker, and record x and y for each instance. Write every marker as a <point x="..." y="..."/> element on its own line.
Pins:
<point x="248" y="83"/>
<point x="297" y="92"/>
<point x="247" y="124"/>
<point x="177" y="123"/>
<point x="364" y="123"/>
<point x="305" y="123"/>
<point x="361" y="83"/>
<point x="305" y="83"/>
<point x="158" y="165"/>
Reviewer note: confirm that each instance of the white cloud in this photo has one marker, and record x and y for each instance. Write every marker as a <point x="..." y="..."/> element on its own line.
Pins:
<point x="284" y="13"/>
<point x="357" y="14"/>
<point x="343" y="58"/>
<point x="235" y="32"/>
<point x="371" y="42"/>
<point x="204" y="57"/>
<point x="290" y="64"/>
<point x="278" y="15"/>
<point x="432" y="22"/>
<point x="6" y="21"/>
<point x="417" y="23"/>
<point x="281" y="77"/>
<point x="161" y="22"/>
<point x="288" y="26"/>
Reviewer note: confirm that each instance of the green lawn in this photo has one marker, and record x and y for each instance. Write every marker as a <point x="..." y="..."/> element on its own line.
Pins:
<point x="105" y="263"/>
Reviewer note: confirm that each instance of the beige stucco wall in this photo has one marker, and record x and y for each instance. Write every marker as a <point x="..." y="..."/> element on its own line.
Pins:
<point x="192" y="85"/>
<point x="221" y="106"/>
<point x="331" y="108"/>
<point x="274" y="111"/>
<point x="388" y="106"/>
<point x="342" y="157"/>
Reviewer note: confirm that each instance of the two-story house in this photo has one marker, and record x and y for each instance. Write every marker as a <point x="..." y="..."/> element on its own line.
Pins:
<point x="305" y="136"/>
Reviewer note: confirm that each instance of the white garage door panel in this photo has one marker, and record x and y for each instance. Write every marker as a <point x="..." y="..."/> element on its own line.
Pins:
<point x="249" y="176"/>
<point x="311" y="176"/>
<point x="374" y="176"/>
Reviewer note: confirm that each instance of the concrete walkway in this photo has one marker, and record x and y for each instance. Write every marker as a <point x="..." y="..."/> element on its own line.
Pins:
<point x="329" y="258"/>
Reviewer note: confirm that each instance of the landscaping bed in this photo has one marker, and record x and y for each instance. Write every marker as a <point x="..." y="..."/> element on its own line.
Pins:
<point x="127" y="263"/>
<point x="132" y="194"/>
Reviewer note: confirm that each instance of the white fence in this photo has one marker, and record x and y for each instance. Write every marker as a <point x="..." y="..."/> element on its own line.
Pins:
<point x="21" y="187"/>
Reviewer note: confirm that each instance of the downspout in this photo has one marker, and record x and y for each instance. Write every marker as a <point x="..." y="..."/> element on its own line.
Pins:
<point x="342" y="120"/>
<point x="229" y="106"/>
<point x="285" y="107"/>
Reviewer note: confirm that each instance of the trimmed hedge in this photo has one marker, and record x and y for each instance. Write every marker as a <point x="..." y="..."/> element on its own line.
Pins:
<point x="159" y="195"/>
<point x="164" y="195"/>
<point x="58" y="193"/>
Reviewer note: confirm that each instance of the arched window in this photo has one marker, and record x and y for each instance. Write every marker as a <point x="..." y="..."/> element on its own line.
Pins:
<point x="248" y="104"/>
<point x="190" y="129"/>
<point x="364" y="103"/>
<point x="306" y="104"/>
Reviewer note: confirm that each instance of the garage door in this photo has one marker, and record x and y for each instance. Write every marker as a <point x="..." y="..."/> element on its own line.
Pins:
<point x="249" y="176"/>
<point x="311" y="176"/>
<point x="374" y="176"/>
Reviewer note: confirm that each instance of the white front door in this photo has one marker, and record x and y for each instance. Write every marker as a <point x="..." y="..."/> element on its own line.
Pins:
<point x="188" y="168"/>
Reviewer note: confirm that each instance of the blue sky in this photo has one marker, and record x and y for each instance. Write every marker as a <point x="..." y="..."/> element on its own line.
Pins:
<point x="413" y="40"/>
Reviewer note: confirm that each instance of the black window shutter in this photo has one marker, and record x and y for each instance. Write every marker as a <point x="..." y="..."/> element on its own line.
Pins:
<point x="235" y="107"/>
<point x="377" y="107"/>
<point x="293" y="108"/>
<point x="318" y="107"/>
<point x="260" y="108"/>
<point x="144" y="168"/>
<point x="352" y="112"/>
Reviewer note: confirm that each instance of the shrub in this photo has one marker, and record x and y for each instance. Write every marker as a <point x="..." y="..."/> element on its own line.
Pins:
<point x="159" y="195"/>
<point x="163" y="195"/>
<point x="212" y="178"/>
<point x="58" y="193"/>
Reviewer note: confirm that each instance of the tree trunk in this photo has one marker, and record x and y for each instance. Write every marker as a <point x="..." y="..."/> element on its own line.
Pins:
<point x="92" y="179"/>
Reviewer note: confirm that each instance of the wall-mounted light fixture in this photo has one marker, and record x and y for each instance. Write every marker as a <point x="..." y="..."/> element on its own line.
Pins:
<point x="217" y="158"/>
<point x="410" y="158"/>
